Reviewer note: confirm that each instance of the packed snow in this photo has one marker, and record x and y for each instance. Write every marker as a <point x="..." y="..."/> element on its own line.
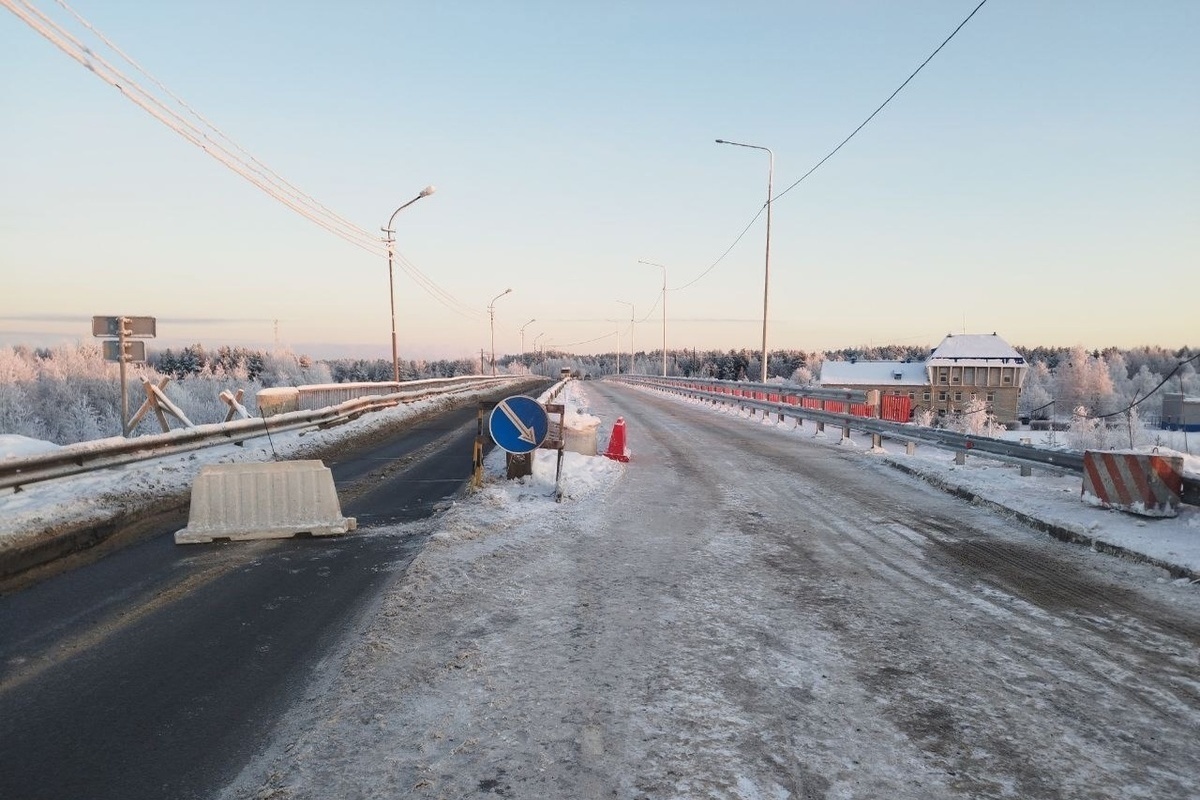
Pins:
<point x="453" y="685"/>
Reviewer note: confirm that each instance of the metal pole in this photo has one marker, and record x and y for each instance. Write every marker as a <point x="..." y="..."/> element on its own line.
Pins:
<point x="122" y="329"/>
<point x="664" y="313"/>
<point x="492" y="316"/>
<point x="618" y="329"/>
<point x="631" y="327"/>
<point x="767" y="261"/>
<point x="523" y="327"/>
<point x="392" y="306"/>
<point x="391" y="250"/>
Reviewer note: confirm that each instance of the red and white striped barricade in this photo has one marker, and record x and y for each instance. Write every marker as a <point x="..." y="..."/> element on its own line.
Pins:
<point x="1141" y="483"/>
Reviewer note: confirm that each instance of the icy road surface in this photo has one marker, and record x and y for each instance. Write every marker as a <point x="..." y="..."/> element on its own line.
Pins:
<point x="738" y="614"/>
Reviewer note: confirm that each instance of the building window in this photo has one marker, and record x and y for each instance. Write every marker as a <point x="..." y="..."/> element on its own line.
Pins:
<point x="943" y="375"/>
<point x="991" y="397"/>
<point x="925" y="396"/>
<point x="913" y="396"/>
<point x="958" y="397"/>
<point x="941" y="397"/>
<point x="1007" y="379"/>
<point x="968" y="376"/>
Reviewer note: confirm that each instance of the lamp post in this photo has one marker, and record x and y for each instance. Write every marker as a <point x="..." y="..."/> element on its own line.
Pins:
<point x="492" y="315"/>
<point x="523" y="327"/>
<point x="391" y="252"/>
<point x="631" y="323"/>
<point x="767" y="264"/>
<point x="664" y="307"/>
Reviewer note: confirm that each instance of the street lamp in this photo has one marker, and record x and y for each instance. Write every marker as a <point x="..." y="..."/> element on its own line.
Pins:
<point x="523" y="327"/>
<point x="631" y="323"/>
<point x="390" y="241"/>
<point x="767" y="265"/>
<point x="492" y="315"/>
<point x="664" y="306"/>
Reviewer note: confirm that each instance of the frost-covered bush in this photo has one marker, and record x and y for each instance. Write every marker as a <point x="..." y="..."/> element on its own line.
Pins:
<point x="924" y="417"/>
<point x="975" y="420"/>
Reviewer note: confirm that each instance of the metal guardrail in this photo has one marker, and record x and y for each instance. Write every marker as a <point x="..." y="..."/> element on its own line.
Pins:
<point x="88" y="456"/>
<point x="959" y="442"/>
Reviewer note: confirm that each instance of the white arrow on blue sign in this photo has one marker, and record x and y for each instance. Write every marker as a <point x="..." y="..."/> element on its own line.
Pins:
<point x="518" y="424"/>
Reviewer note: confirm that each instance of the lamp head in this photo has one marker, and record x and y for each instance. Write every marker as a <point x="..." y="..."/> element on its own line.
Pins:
<point x="428" y="190"/>
<point x="722" y="141"/>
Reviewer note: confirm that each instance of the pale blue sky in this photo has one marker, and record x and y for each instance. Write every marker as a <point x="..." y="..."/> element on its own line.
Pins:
<point x="1039" y="178"/>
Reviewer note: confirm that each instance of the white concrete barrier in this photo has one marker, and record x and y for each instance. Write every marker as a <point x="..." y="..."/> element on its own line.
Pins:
<point x="275" y="500"/>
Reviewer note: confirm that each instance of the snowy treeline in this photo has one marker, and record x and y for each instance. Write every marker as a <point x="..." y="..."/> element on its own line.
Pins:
<point x="70" y="394"/>
<point x="1107" y="382"/>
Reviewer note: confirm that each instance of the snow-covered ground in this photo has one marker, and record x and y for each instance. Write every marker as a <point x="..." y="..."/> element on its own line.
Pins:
<point x="1054" y="500"/>
<point x="699" y="624"/>
<point x="628" y="642"/>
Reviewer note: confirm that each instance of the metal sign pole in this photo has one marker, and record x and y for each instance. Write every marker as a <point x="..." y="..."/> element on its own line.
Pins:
<point x="122" y="332"/>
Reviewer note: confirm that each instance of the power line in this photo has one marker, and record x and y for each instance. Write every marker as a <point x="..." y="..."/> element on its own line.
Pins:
<point x="881" y="105"/>
<point x="839" y="147"/>
<point x="249" y="168"/>
<point x="262" y="169"/>
<point x="728" y="250"/>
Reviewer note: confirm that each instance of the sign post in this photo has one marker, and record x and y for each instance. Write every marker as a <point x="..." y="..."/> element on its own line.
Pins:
<point x="123" y="351"/>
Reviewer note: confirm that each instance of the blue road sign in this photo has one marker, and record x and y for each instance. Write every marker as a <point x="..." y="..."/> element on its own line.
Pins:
<point x="518" y="424"/>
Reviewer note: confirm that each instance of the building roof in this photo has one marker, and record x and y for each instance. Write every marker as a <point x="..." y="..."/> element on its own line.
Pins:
<point x="974" y="347"/>
<point x="873" y="373"/>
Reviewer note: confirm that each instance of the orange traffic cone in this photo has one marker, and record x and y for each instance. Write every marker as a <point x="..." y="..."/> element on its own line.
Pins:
<point x="616" y="443"/>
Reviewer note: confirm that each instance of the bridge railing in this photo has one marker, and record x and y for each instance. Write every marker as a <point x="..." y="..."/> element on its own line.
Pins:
<point x="791" y="402"/>
<point x="104" y="453"/>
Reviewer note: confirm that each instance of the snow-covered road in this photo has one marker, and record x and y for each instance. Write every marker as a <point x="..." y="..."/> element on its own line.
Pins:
<point x="740" y="614"/>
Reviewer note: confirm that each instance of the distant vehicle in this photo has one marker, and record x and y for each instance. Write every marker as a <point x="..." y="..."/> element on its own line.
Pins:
<point x="565" y="372"/>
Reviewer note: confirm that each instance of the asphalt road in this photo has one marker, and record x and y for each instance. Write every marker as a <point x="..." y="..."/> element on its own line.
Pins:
<point x="156" y="671"/>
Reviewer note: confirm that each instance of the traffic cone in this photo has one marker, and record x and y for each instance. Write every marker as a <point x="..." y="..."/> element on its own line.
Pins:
<point x="616" y="443"/>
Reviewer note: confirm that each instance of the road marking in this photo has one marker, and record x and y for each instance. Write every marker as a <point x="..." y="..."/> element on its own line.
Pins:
<point x="526" y="433"/>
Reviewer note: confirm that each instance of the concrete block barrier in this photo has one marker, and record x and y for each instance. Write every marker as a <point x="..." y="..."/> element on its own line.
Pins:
<point x="1140" y="483"/>
<point x="275" y="500"/>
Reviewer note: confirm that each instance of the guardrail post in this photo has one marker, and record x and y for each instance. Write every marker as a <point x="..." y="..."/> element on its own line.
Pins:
<point x="1026" y="470"/>
<point x="910" y="448"/>
<point x="960" y="457"/>
<point x="876" y="441"/>
<point x="845" y="433"/>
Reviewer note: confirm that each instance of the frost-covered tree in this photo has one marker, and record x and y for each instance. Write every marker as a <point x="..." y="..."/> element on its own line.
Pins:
<point x="975" y="419"/>
<point x="1083" y="380"/>
<point x="1085" y="431"/>
<point x="1036" y="392"/>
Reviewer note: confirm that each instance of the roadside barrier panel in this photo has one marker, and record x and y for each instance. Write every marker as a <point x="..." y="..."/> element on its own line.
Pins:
<point x="1141" y="483"/>
<point x="275" y="500"/>
<point x="896" y="408"/>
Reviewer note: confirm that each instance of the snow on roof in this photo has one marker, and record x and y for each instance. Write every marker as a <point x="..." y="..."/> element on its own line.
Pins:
<point x="873" y="373"/>
<point x="973" y="345"/>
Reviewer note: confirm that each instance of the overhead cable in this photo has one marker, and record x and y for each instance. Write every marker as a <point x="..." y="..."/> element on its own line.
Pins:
<point x="839" y="147"/>
<point x="248" y="167"/>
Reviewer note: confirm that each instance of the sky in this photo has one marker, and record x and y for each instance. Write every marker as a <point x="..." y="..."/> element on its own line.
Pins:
<point x="1038" y="178"/>
<point x="460" y="666"/>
